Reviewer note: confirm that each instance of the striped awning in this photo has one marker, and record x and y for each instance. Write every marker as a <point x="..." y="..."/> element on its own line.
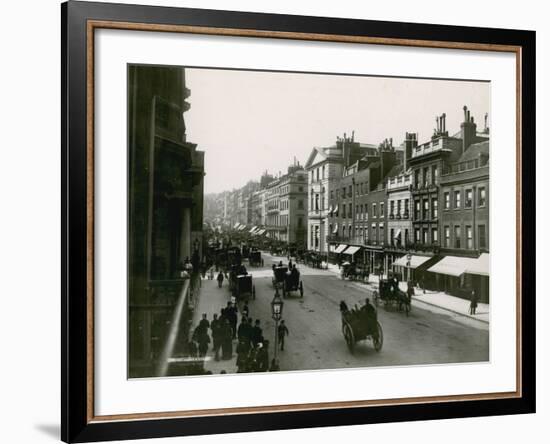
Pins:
<point x="415" y="261"/>
<point x="352" y="249"/>
<point x="481" y="265"/>
<point x="340" y="248"/>
<point x="453" y="265"/>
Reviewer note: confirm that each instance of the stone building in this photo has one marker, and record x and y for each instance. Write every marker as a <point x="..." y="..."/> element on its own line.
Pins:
<point x="325" y="168"/>
<point x="165" y="205"/>
<point x="286" y="206"/>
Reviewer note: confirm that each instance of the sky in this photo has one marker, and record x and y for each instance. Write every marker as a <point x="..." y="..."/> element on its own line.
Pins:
<point x="247" y="122"/>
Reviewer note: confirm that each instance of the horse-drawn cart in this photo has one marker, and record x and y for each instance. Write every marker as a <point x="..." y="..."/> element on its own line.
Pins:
<point x="361" y="324"/>
<point x="392" y="296"/>
<point x="292" y="282"/>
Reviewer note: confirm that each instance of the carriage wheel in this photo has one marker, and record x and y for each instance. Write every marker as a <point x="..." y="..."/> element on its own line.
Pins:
<point x="301" y="289"/>
<point x="349" y="336"/>
<point x="379" y="340"/>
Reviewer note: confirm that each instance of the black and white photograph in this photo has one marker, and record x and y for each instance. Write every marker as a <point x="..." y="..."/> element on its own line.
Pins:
<point x="289" y="221"/>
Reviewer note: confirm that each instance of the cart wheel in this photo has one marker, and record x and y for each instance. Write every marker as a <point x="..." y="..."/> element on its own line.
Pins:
<point x="378" y="341"/>
<point x="349" y="337"/>
<point x="301" y="289"/>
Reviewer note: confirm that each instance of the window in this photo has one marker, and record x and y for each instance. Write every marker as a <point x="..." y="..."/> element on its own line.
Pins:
<point x="426" y="177"/>
<point x="316" y="202"/>
<point x="382" y="214"/>
<point x="417" y="209"/>
<point x="457" y="236"/>
<point x="349" y="191"/>
<point x="469" y="239"/>
<point x="424" y="235"/>
<point x="406" y="238"/>
<point x="300" y="204"/>
<point x="446" y="200"/>
<point x="316" y="236"/>
<point x="481" y="236"/>
<point x="426" y="209"/>
<point x="392" y="208"/>
<point x="361" y="209"/>
<point x="406" y="208"/>
<point x="398" y="208"/>
<point x="332" y="195"/>
<point x="416" y="178"/>
<point x="374" y="214"/>
<point x="392" y="233"/>
<point x="350" y="215"/>
<point x="417" y="235"/>
<point x="435" y="173"/>
<point x="447" y="237"/>
<point x="481" y="197"/>
<point x="362" y="188"/>
<point x="434" y="235"/>
<point x="300" y="222"/>
<point x="301" y="189"/>
<point x="468" y="199"/>
<point x="434" y="208"/>
<point x="457" y="199"/>
<point x="323" y="172"/>
<point x="317" y="174"/>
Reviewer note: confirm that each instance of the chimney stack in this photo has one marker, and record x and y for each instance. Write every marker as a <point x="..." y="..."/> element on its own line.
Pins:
<point x="468" y="129"/>
<point x="410" y="143"/>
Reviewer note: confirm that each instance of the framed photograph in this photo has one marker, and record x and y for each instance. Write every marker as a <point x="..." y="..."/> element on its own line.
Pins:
<point x="275" y="221"/>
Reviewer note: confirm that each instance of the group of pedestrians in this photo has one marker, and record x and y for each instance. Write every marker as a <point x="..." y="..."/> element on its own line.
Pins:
<point x="252" y="347"/>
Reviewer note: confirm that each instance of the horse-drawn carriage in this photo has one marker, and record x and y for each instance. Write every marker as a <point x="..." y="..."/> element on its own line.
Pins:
<point x="240" y="283"/>
<point x="361" y="324"/>
<point x="392" y="296"/>
<point x="279" y="275"/>
<point x="292" y="282"/>
<point x="255" y="258"/>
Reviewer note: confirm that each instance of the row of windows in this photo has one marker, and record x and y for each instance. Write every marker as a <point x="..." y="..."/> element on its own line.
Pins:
<point x="466" y="239"/>
<point x="427" y="211"/>
<point x="426" y="176"/>
<point x="468" y="198"/>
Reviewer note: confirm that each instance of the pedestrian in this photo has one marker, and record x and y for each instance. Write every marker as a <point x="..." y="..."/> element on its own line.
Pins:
<point x="282" y="331"/>
<point x="290" y="264"/>
<point x="226" y="342"/>
<point x="410" y="290"/>
<point x="231" y="314"/>
<point x="204" y="323"/>
<point x="243" y="349"/>
<point x="244" y="310"/>
<point x="473" y="302"/>
<point x="215" y="326"/>
<point x="243" y="332"/>
<point x="262" y="357"/>
<point x="220" y="279"/>
<point x="257" y="334"/>
<point x="202" y="338"/>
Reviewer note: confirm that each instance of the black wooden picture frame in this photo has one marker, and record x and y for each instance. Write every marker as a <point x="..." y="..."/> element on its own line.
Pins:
<point x="77" y="420"/>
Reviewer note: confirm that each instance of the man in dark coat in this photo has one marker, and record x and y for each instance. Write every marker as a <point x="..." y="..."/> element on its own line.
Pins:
<point x="220" y="279"/>
<point x="262" y="357"/>
<point x="257" y="334"/>
<point x="473" y="302"/>
<point x="226" y="343"/>
<point x="215" y="328"/>
<point x="231" y="314"/>
<point x="204" y="323"/>
<point x="282" y="331"/>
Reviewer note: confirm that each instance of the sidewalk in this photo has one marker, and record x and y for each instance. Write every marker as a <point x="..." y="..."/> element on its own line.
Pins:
<point x="437" y="299"/>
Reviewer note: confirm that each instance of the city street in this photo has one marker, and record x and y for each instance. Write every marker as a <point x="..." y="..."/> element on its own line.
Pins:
<point x="427" y="336"/>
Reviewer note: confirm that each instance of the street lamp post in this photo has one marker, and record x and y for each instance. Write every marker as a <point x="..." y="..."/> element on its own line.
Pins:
<point x="276" y="313"/>
<point x="408" y="267"/>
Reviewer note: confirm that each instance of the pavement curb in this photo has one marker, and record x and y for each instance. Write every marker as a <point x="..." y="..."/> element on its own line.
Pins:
<point x="450" y="310"/>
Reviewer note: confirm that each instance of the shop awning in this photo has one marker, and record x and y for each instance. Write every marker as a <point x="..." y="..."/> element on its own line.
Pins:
<point x="253" y="229"/>
<point x="335" y="231"/>
<point x="236" y="225"/>
<point x="340" y="248"/>
<point x="416" y="261"/>
<point x="481" y="265"/>
<point x="336" y="209"/>
<point x="452" y="265"/>
<point x="397" y="234"/>
<point x="352" y="249"/>
<point x="330" y="210"/>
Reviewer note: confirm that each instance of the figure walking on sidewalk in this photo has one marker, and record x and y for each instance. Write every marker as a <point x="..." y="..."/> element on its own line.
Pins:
<point x="220" y="279"/>
<point x="473" y="302"/>
<point x="282" y="331"/>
